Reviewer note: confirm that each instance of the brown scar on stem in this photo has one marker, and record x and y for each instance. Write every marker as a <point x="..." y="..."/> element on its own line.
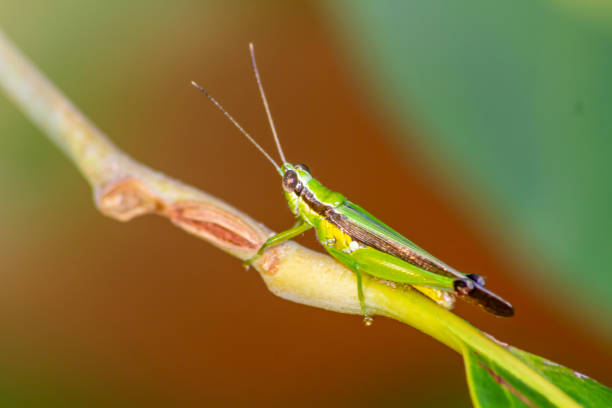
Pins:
<point x="498" y="379"/>
<point x="271" y="261"/>
<point x="126" y="199"/>
<point x="129" y="197"/>
<point x="213" y="223"/>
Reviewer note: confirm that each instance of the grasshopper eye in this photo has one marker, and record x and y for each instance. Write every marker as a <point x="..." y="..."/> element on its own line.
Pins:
<point x="290" y="181"/>
<point x="302" y="166"/>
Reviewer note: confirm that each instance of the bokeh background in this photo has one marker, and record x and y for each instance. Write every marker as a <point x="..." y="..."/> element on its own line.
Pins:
<point x="481" y="130"/>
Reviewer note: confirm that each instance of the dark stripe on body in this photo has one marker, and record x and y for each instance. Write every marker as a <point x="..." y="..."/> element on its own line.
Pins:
<point x="314" y="204"/>
<point x="367" y="238"/>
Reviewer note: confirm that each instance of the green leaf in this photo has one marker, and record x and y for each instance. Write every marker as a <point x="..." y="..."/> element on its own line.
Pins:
<point x="581" y="388"/>
<point x="491" y="385"/>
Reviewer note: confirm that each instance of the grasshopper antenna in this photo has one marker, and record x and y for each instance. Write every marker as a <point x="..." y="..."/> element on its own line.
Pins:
<point x="244" y="132"/>
<point x="265" y="102"/>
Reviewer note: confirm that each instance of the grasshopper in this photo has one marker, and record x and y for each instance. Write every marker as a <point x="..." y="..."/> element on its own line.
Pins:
<point x="359" y="240"/>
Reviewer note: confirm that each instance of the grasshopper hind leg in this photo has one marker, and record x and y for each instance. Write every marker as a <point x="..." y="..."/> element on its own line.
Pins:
<point x="367" y="320"/>
<point x="354" y="266"/>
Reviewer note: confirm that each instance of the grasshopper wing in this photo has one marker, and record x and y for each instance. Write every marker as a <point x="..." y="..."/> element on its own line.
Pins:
<point x="364" y="227"/>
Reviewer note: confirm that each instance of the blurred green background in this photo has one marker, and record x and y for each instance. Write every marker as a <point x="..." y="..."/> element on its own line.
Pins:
<point x="479" y="130"/>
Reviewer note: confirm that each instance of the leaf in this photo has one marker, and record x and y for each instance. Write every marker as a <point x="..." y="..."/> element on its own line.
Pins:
<point x="581" y="388"/>
<point x="491" y="385"/>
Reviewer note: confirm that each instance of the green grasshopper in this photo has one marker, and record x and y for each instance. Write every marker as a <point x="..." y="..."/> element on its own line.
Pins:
<point x="359" y="240"/>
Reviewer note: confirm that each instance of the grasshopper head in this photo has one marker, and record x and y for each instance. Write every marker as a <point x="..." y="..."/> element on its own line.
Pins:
<point x="295" y="177"/>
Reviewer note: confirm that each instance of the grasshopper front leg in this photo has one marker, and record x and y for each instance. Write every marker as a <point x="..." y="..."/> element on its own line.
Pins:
<point x="300" y="227"/>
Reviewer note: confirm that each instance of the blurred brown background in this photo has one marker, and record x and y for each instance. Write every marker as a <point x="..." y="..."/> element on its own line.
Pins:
<point x="95" y="312"/>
